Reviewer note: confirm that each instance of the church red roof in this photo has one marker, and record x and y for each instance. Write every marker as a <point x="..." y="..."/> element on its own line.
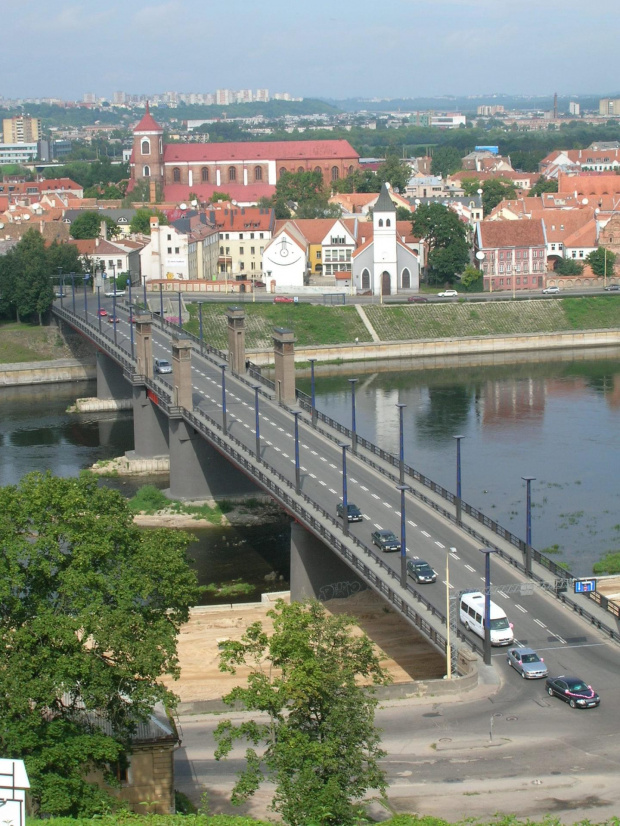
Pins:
<point x="258" y="151"/>
<point x="148" y="123"/>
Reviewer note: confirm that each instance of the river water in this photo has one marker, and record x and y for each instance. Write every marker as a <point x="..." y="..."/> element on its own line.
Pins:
<point x="557" y="420"/>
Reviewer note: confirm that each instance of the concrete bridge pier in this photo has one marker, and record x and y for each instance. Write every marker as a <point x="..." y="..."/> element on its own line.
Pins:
<point x="317" y="572"/>
<point x="111" y="383"/>
<point x="150" y="427"/>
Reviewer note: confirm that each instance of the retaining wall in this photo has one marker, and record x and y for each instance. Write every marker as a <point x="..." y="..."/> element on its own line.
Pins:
<point x="46" y="372"/>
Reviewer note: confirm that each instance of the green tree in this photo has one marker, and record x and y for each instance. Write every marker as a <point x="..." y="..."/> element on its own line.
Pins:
<point x="32" y="286"/>
<point x="403" y="214"/>
<point x="319" y="744"/>
<point x="446" y="161"/>
<point x="470" y="186"/>
<point x="88" y="225"/>
<point x="446" y="240"/>
<point x="220" y="196"/>
<point x="568" y="266"/>
<point x="543" y="185"/>
<point x="602" y="261"/>
<point x="395" y="172"/>
<point x="141" y="221"/>
<point x="90" y="608"/>
<point x="496" y="190"/>
<point x="300" y="187"/>
<point x="471" y="279"/>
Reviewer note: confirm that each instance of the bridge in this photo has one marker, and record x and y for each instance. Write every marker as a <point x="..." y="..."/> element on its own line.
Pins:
<point x="224" y="426"/>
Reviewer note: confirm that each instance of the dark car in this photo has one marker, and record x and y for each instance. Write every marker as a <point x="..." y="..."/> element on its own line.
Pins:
<point x="354" y="514"/>
<point x="573" y="690"/>
<point x="421" y="571"/>
<point x="386" y="540"/>
<point x="527" y="663"/>
<point x="612" y="288"/>
<point x="113" y="319"/>
<point x="417" y="299"/>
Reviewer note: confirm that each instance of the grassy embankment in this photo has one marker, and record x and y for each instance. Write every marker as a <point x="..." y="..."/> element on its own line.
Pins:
<point x="20" y="343"/>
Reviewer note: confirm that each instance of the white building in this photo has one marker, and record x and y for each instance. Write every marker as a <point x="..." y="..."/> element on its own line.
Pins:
<point x="285" y="260"/>
<point x="166" y="255"/>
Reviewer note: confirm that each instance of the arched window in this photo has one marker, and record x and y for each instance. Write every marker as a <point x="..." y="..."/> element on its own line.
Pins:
<point x="318" y="169"/>
<point x="335" y="173"/>
<point x="146" y="172"/>
<point x="232" y="174"/>
<point x="365" y="280"/>
<point x="204" y="174"/>
<point x="258" y="173"/>
<point x="146" y="146"/>
<point x="176" y="174"/>
<point x="380" y="222"/>
<point x="388" y="223"/>
<point x="300" y="169"/>
<point x="406" y="279"/>
<point x="282" y="171"/>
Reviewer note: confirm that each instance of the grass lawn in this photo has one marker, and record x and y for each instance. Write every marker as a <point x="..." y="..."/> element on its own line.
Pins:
<point x="24" y="342"/>
<point x="595" y="312"/>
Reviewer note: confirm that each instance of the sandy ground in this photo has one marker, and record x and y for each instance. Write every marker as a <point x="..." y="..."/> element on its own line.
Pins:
<point x="405" y="653"/>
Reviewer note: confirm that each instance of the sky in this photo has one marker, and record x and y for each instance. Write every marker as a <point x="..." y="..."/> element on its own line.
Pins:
<point x="322" y="48"/>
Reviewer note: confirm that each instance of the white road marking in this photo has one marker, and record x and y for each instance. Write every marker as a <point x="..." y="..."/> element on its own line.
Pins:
<point x="353" y="480"/>
<point x="313" y="475"/>
<point x="314" y="453"/>
<point x="378" y="527"/>
<point x="558" y="637"/>
<point x="286" y="456"/>
<point x="453" y="555"/>
<point x="521" y="608"/>
<point x="538" y="622"/>
<point x="413" y="524"/>
<point x="374" y="496"/>
<point x="439" y="544"/>
<point x="502" y="594"/>
<point x="331" y="465"/>
<point x="387" y="505"/>
<point x="449" y="586"/>
<point x="363" y="487"/>
<point x="321" y="482"/>
<point x="396" y="513"/>
<point x="469" y="568"/>
<point x="331" y="490"/>
<point x="426" y="533"/>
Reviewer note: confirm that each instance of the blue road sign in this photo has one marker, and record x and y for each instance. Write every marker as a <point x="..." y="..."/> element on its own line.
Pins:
<point x="585" y="586"/>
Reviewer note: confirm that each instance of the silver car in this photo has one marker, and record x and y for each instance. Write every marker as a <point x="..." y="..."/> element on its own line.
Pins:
<point x="527" y="662"/>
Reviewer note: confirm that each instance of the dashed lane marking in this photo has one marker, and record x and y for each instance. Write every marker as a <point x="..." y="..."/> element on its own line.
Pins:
<point x="521" y="608"/>
<point x="363" y="487"/>
<point x="426" y="533"/>
<point x="331" y="490"/>
<point x="469" y="568"/>
<point x="374" y="496"/>
<point x="538" y="622"/>
<point x="387" y="505"/>
<point x="413" y="524"/>
<point x="439" y="544"/>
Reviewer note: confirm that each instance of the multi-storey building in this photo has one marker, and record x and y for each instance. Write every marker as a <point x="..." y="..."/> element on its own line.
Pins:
<point x="513" y="254"/>
<point x="21" y="129"/>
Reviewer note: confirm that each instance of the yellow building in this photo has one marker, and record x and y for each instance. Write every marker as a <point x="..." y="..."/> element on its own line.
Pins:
<point x="21" y="129"/>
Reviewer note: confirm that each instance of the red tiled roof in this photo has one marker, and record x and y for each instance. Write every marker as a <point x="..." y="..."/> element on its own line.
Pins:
<point x="148" y="123"/>
<point x="312" y="229"/>
<point x="241" y="219"/>
<point x="498" y="234"/>
<point x="259" y="151"/>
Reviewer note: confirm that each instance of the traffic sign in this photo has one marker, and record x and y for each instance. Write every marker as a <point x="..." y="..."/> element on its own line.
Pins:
<point x="585" y="586"/>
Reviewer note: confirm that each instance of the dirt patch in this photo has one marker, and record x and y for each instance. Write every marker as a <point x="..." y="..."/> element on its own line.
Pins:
<point x="405" y="653"/>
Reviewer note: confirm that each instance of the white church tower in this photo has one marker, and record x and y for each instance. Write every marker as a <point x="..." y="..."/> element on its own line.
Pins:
<point x="385" y="254"/>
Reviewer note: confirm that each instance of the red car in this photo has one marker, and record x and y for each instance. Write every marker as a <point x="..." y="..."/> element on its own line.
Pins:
<point x="284" y="299"/>
<point x="417" y="299"/>
<point x="102" y="313"/>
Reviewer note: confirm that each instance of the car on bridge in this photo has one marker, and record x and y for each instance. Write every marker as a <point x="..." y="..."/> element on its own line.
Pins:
<point x="102" y="313"/>
<point x="573" y="690"/>
<point x="612" y="288"/>
<point x="285" y="299"/>
<point x="113" y="319"/>
<point x="527" y="663"/>
<point x="386" y="540"/>
<point x="551" y="290"/>
<point x="162" y="366"/>
<point x="448" y="294"/>
<point x="421" y="571"/>
<point x="354" y="514"/>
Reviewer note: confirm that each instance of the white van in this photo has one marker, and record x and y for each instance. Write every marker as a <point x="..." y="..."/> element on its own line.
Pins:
<point x="472" y="613"/>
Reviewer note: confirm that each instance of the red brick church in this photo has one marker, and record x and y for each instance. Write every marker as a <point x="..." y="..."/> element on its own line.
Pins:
<point x="246" y="171"/>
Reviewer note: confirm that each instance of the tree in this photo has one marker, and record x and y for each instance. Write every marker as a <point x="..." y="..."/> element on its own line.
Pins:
<point x="403" y="214"/>
<point x="32" y="291"/>
<point x="395" y="172"/>
<point x="88" y="225"/>
<point x="568" y="266"/>
<point x="220" y="196"/>
<point x="321" y="748"/>
<point x="446" y="161"/>
<point x="543" y="185"/>
<point x="300" y="187"/>
<point x="90" y="608"/>
<point x="496" y="190"/>
<point x="470" y="186"/>
<point x="141" y="221"/>
<point x="471" y="279"/>
<point x="446" y="240"/>
<point x="601" y="261"/>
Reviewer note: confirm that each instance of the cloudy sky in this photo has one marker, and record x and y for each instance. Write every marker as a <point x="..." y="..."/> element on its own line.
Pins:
<point x="329" y="48"/>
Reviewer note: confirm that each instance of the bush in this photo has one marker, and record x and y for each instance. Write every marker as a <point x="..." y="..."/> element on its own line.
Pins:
<point x="148" y="499"/>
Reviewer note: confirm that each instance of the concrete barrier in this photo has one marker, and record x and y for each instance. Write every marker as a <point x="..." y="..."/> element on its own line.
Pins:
<point x="46" y="372"/>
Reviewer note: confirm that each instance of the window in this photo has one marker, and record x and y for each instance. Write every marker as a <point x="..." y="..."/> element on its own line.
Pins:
<point x="501" y="268"/>
<point x="240" y="250"/>
<point x="261" y="235"/>
<point x="241" y="236"/>
<point x="318" y="169"/>
<point x="388" y="223"/>
<point x="221" y="250"/>
<point x="406" y="279"/>
<point x="170" y="238"/>
<point x="252" y="265"/>
<point x="146" y="172"/>
<point x="176" y="174"/>
<point x="318" y="255"/>
<point x="365" y="280"/>
<point x="176" y="250"/>
<point x="251" y="235"/>
<point x="262" y="250"/>
<point x="146" y="147"/>
<point x="258" y="173"/>
<point x="169" y="250"/>
<point x="252" y="250"/>
<point x="380" y="222"/>
<point x="204" y="174"/>
<point x="241" y="267"/>
<point x="232" y="174"/>
<point x="300" y="169"/>
<point x="335" y="173"/>
<point x="119" y="263"/>
<point x="282" y="171"/>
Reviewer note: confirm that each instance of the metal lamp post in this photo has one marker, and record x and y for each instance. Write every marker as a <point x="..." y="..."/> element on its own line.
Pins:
<point x="161" y="301"/>
<point x="72" y="274"/>
<point x="85" y="279"/>
<point x="99" y="306"/>
<point x="200" y="323"/>
<point x="403" y="536"/>
<point x="528" y="522"/>
<point x="256" y="388"/>
<point x="458" y="478"/>
<point x="345" y="502"/>
<point x="180" y="312"/>
<point x="353" y="424"/>
<point x="61" y="284"/>
<point x="296" y="414"/>
<point x="448" y="644"/>
<point x="401" y="443"/>
<point x="223" y="369"/>
<point x="312" y="392"/>
<point x="487" y="603"/>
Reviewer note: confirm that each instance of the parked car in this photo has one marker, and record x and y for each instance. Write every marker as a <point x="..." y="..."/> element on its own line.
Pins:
<point x="385" y="540"/>
<point x="60" y="294"/>
<point x="421" y="571"/>
<point x="162" y="366"/>
<point x="285" y="299"/>
<point x="527" y="663"/>
<point x="447" y="294"/>
<point x="354" y="514"/>
<point x="417" y="299"/>
<point x="551" y="290"/>
<point x="612" y="288"/>
<point x="102" y="313"/>
<point x="573" y="690"/>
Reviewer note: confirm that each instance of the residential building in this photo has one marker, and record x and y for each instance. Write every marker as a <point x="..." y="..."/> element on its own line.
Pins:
<point x="512" y="254"/>
<point x="17" y="153"/>
<point x="484" y="160"/>
<point x="21" y="129"/>
<point x="609" y="107"/>
<point x="243" y="235"/>
<point x="579" y="160"/>
<point x="110" y="257"/>
<point x="165" y="257"/>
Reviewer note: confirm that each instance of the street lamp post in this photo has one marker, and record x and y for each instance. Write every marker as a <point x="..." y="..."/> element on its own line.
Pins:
<point x="401" y="443"/>
<point x="180" y="313"/>
<point x="403" y="536"/>
<point x="487" y="603"/>
<point x="353" y="424"/>
<point x="345" y="501"/>
<point x="85" y="279"/>
<point x="223" y="369"/>
<point x="256" y="388"/>
<point x="200" y="323"/>
<point x="61" y="284"/>
<point x="99" y="305"/>
<point x="72" y="274"/>
<point x="161" y="301"/>
<point x="312" y="392"/>
<point x="296" y="414"/>
<point x="528" y="522"/>
<point x="458" y="478"/>
<point x="448" y="644"/>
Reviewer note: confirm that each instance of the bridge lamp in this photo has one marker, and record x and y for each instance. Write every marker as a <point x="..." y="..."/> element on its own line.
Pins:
<point x="85" y="279"/>
<point x="487" y="602"/>
<point x="161" y="301"/>
<point x="180" y="312"/>
<point x="256" y="388"/>
<point x="200" y="323"/>
<point x="72" y="274"/>
<point x="99" y="305"/>
<point x="296" y="414"/>
<point x="458" y="478"/>
<point x="345" y="502"/>
<point x="353" y="424"/>
<point x="528" y="522"/>
<point x="401" y="443"/>
<point x="312" y="392"/>
<point x="223" y="369"/>
<point x="403" y="536"/>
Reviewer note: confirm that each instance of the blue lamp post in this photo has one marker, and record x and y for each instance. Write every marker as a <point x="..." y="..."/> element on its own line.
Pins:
<point x="312" y="391"/>
<point x="72" y="274"/>
<point x="99" y="306"/>
<point x="85" y="279"/>
<point x="256" y="388"/>
<point x="345" y="501"/>
<point x="458" y="478"/>
<point x="161" y="301"/>
<point x="353" y="422"/>
<point x="296" y="414"/>
<point x="200" y="323"/>
<point x="528" y="523"/>
<point x="61" y="284"/>
<point x="223" y="369"/>
<point x="401" y="443"/>
<point x="487" y="603"/>
<point x="403" y="535"/>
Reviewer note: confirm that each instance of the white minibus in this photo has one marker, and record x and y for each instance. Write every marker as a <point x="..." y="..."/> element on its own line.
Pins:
<point x="471" y="615"/>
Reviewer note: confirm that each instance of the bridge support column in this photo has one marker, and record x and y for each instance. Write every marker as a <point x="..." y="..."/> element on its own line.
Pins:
<point x="284" y="363"/>
<point x="111" y="384"/>
<point x="150" y="427"/>
<point x="236" y="339"/>
<point x="144" y="346"/>
<point x="317" y="572"/>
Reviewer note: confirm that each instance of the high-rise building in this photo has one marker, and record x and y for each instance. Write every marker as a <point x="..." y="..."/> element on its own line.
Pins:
<point x="118" y="98"/>
<point x="222" y="97"/>
<point x="21" y="129"/>
<point x="609" y="107"/>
